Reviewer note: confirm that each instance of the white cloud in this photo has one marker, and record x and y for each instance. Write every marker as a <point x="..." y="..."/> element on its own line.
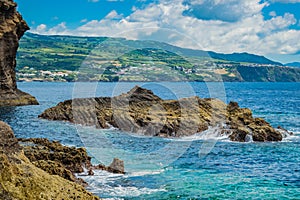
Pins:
<point x="224" y="10"/>
<point x="272" y="14"/>
<point x="60" y="29"/>
<point x="83" y="21"/>
<point x="113" y="15"/>
<point x="168" y="21"/>
<point x="41" y="28"/>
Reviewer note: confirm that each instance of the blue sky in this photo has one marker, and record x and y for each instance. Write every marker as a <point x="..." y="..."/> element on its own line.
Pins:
<point x="269" y="27"/>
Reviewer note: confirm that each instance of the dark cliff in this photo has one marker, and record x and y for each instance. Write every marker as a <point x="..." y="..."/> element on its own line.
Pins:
<point x="12" y="28"/>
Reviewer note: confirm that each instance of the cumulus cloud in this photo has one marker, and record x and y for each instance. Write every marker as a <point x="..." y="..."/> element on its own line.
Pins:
<point x="41" y="28"/>
<point x="224" y="10"/>
<point x="60" y="29"/>
<point x="113" y="15"/>
<point x="272" y="14"/>
<point x="175" y="22"/>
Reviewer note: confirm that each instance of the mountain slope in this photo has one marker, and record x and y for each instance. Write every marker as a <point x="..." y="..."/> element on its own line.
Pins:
<point x="69" y="58"/>
<point x="244" y="57"/>
<point x="293" y="64"/>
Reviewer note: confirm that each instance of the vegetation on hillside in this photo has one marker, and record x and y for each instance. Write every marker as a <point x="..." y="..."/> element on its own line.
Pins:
<point x="70" y="58"/>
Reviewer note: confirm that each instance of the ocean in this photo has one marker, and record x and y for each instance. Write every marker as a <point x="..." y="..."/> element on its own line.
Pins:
<point x="202" y="166"/>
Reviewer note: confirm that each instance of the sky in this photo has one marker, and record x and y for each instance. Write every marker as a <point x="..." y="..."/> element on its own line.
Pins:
<point x="265" y="27"/>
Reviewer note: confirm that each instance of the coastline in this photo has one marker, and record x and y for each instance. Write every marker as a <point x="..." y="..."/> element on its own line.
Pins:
<point x="160" y="185"/>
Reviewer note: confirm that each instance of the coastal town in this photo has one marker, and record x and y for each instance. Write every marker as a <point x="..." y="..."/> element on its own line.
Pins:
<point x="116" y="71"/>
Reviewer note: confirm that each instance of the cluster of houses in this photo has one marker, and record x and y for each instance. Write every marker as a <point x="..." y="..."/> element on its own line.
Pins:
<point x="31" y="74"/>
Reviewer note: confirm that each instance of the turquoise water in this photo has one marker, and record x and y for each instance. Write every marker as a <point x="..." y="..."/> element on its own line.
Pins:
<point x="196" y="167"/>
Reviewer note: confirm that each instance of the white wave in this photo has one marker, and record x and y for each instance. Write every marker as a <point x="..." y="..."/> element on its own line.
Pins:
<point x="212" y="133"/>
<point x="111" y="127"/>
<point x="104" y="183"/>
<point x="143" y="173"/>
<point x="122" y="191"/>
<point x="292" y="138"/>
<point x="249" y="138"/>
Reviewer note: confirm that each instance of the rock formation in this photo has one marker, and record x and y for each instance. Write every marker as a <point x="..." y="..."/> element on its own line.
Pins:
<point x="140" y="111"/>
<point x="55" y="158"/>
<point x="64" y="161"/>
<point x="21" y="179"/>
<point x="12" y="28"/>
<point x="117" y="167"/>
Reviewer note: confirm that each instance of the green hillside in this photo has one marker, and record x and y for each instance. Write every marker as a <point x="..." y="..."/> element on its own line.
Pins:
<point x="70" y="58"/>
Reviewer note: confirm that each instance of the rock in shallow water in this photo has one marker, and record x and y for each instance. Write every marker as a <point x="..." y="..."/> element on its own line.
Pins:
<point x="142" y="112"/>
<point x="117" y="166"/>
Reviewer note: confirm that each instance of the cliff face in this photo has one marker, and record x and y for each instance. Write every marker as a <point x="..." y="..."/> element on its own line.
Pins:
<point x="12" y="28"/>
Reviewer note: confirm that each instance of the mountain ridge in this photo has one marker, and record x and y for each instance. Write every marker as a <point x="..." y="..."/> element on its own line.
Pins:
<point x="244" y="56"/>
<point x="293" y="64"/>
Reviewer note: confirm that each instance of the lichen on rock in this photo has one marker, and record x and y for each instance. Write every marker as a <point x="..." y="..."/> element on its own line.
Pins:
<point x="23" y="180"/>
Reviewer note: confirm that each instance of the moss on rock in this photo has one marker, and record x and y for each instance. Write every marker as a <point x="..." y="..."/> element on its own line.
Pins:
<point x="20" y="179"/>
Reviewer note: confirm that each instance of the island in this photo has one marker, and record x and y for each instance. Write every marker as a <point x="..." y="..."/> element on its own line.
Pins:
<point x="140" y="111"/>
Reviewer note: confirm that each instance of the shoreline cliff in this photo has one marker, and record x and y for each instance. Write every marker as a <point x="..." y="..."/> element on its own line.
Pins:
<point x="12" y="28"/>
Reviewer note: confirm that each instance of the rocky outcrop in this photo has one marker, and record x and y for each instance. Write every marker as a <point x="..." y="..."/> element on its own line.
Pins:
<point x="117" y="167"/>
<point x="142" y="112"/>
<point x="55" y="158"/>
<point x="12" y="28"/>
<point x="21" y="179"/>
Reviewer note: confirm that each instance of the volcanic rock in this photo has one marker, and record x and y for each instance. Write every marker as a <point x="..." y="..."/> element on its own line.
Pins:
<point x="12" y="28"/>
<point x="142" y="112"/>
<point x="117" y="166"/>
<point x="21" y="179"/>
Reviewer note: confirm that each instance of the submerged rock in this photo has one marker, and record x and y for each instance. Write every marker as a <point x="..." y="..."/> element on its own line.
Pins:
<point x="142" y="112"/>
<point x="12" y="28"/>
<point x="21" y="179"/>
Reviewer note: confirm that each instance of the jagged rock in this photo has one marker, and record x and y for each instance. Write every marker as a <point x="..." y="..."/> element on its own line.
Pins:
<point x="243" y="124"/>
<point x="54" y="153"/>
<point x="117" y="166"/>
<point x="142" y="112"/>
<point x="20" y="179"/>
<point x="12" y="28"/>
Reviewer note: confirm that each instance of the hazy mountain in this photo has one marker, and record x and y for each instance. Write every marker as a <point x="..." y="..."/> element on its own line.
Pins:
<point x="293" y="64"/>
